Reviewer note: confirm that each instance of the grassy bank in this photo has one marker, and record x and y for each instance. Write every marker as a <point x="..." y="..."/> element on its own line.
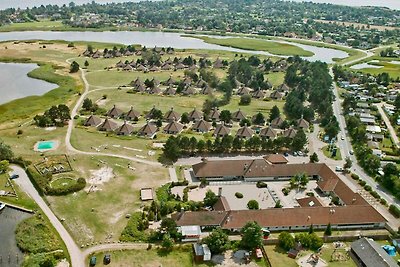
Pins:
<point x="386" y="66"/>
<point x="256" y="45"/>
<point x="29" y="106"/>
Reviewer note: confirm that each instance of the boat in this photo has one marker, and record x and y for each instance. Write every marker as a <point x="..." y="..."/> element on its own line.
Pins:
<point x="2" y="206"/>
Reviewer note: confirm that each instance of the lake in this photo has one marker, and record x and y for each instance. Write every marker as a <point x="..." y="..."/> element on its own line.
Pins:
<point x="159" y="39"/>
<point x="14" y="82"/>
<point x="10" y="254"/>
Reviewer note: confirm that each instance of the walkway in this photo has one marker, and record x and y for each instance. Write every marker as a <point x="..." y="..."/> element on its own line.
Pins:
<point x="388" y="123"/>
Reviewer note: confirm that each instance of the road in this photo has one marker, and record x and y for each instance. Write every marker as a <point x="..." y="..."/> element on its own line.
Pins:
<point x="345" y="147"/>
<point x="25" y="184"/>
<point x="388" y="124"/>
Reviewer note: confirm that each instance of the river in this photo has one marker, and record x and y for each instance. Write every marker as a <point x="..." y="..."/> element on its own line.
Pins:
<point x="159" y="39"/>
<point x="14" y="82"/>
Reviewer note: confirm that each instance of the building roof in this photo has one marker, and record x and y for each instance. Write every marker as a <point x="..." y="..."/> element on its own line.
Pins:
<point x="202" y="126"/>
<point x="92" y="121"/>
<point x="148" y="129"/>
<point x="290" y="133"/>
<point x="206" y="90"/>
<point x="268" y="132"/>
<point x="258" y="94"/>
<point x="276" y="95"/>
<point x="245" y="132"/>
<point x="155" y="90"/>
<point x="169" y="91"/>
<point x="309" y="202"/>
<point x="146" y="194"/>
<point x="172" y="115"/>
<point x="201" y="249"/>
<point x="276" y="159"/>
<point x="238" y="115"/>
<point x="222" y="204"/>
<point x="191" y="230"/>
<point x="277" y="122"/>
<point x="195" y="115"/>
<point x="214" y="115"/>
<point x="371" y="253"/>
<point x="108" y="125"/>
<point x="125" y="129"/>
<point x="201" y="218"/>
<point x="220" y="168"/>
<point x="132" y="114"/>
<point x="173" y="127"/>
<point x="244" y="91"/>
<point x="283" y="88"/>
<point x="302" y="123"/>
<point x="114" y="112"/>
<point x="221" y="130"/>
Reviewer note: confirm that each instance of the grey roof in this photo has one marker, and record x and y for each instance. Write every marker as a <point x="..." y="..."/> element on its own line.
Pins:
<point x="221" y="130"/>
<point x="172" y="115"/>
<point x="238" y="115"/>
<point x="201" y="126"/>
<point x="132" y="114"/>
<point x="108" y="125"/>
<point x="195" y="115"/>
<point x="173" y="127"/>
<point x="268" y="132"/>
<point x="245" y="132"/>
<point x="114" y="112"/>
<point x="92" y="121"/>
<point x="371" y="253"/>
<point x="125" y="129"/>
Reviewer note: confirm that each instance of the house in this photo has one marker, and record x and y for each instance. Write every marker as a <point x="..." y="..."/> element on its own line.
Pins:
<point x="154" y="69"/>
<point x="244" y="91"/>
<point x="277" y="122"/>
<point x="136" y="82"/>
<point x="283" y="88"/>
<point x="195" y="115"/>
<point x="190" y="233"/>
<point x="189" y="90"/>
<point x="187" y="81"/>
<point x="148" y="130"/>
<point x="374" y="129"/>
<point x="201" y="83"/>
<point x="132" y="115"/>
<point x="120" y="64"/>
<point x="201" y="253"/>
<point x="367" y="253"/>
<point x="140" y="88"/>
<point x="259" y="94"/>
<point x="276" y="95"/>
<point x="221" y="130"/>
<point x="173" y="128"/>
<point x="114" y="112"/>
<point x="125" y="129"/>
<point x="170" y="81"/>
<point x="206" y="90"/>
<point x="268" y="133"/>
<point x="166" y="66"/>
<point x="375" y="137"/>
<point x="155" y="90"/>
<point x="201" y="126"/>
<point x="155" y="82"/>
<point x="92" y="121"/>
<point x="108" y="126"/>
<point x="214" y="115"/>
<point x="128" y="68"/>
<point x="238" y="115"/>
<point x="276" y="159"/>
<point x="218" y="64"/>
<point x="302" y="124"/>
<point x="245" y="132"/>
<point x="291" y="133"/>
<point x="172" y="115"/>
<point x="169" y="91"/>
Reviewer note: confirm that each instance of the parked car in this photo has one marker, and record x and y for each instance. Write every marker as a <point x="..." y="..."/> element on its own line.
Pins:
<point x="339" y="169"/>
<point x="93" y="261"/>
<point x="14" y="176"/>
<point x="300" y="153"/>
<point x="351" y="152"/>
<point x="286" y="154"/>
<point x="107" y="259"/>
<point x="342" y="137"/>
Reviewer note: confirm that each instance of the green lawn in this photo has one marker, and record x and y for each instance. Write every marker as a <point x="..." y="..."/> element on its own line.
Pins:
<point x="329" y="153"/>
<point x="391" y="68"/>
<point x="100" y="215"/>
<point x="276" y="78"/>
<point x="257" y="44"/>
<point x="43" y="25"/>
<point x="278" y="257"/>
<point x="23" y="199"/>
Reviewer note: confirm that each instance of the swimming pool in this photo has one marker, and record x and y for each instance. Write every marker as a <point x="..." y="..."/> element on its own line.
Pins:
<point x="45" y="145"/>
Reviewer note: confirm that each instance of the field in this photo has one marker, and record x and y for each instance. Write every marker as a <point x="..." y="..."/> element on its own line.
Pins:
<point x="387" y="66"/>
<point x="43" y="25"/>
<point x="329" y="153"/>
<point x="23" y="199"/>
<point x="256" y="44"/>
<point x="100" y="214"/>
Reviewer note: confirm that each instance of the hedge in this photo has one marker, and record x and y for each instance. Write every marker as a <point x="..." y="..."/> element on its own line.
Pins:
<point x="375" y="195"/>
<point x="367" y="187"/>
<point x="180" y="183"/>
<point x="362" y="183"/>
<point x="261" y="184"/>
<point x="238" y="195"/>
<point x="394" y="210"/>
<point x="39" y="182"/>
<point x="355" y="176"/>
<point x="79" y="185"/>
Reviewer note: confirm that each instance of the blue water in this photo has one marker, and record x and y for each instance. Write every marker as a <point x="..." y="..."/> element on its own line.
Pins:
<point x="46" y="145"/>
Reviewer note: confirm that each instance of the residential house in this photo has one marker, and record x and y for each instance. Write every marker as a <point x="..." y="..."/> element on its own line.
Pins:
<point x="115" y="112"/>
<point x="245" y="132"/>
<point x="291" y="133"/>
<point x="148" y="130"/>
<point x="277" y="122"/>
<point x="108" y="126"/>
<point x="268" y="133"/>
<point x="367" y="253"/>
<point x="238" y="115"/>
<point x="173" y="127"/>
<point x="92" y="121"/>
<point x="259" y="94"/>
<point x="221" y="130"/>
<point x="303" y="124"/>
<point x="244" y="91"/>
<point x="215" y="114"/>
<point x="172" y="115"/>
<point x="195" y="115"/>
<point x="132" y="115"/>
<point x="169" y="91"/>
<point x="125" y="129"/>
<point x="201" y="126"/>
<point x="276" y="95"/>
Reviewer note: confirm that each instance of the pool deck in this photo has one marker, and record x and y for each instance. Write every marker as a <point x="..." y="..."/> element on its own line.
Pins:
<point x="55" y="146"/>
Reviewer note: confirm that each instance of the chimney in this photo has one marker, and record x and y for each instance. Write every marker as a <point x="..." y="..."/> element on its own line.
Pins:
<point x="219" y="191"/>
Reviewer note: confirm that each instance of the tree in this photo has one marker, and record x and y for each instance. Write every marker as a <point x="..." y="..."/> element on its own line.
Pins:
<point x="171" y="149"/>
<point x="217" y="241"/>
<point x="328" y="230"/>
<point x="74" y="67"/>
<point x="251" y="236"/>
<point x="347" y="165"/>
<point x="4" y="164"/>
<point x="167" y="242"/>
<point x="275" y="113"/>
<point x="87" y="104"/>
<point x="259" y="119"/>
<point x="299" y="140"/>
<point x="253" y="205"/>
<point x="311" y="229"/>
<point x="225" y="116"/>
<point x="86" y="63"/>
<point x="210" y="199"/>
<point x="314" y="158"/>
<point x="245" y="100"/>
<point x="169" y="225"/>
<point x="185" y="118"/>
<point x="286" y="241"/>
<point x="5" y="151"/>
<point x="245" y="122"/>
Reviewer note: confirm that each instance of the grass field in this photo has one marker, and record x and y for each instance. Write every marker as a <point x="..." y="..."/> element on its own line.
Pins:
<point x="329" y="153"/>
<point x="257" y="44"/>
<point x="276" y="78"/>
<point x="100" y="215"/>
<point x="391" y="68"/>
<point x="23" y="199"/>
<point x="43" y="25"/>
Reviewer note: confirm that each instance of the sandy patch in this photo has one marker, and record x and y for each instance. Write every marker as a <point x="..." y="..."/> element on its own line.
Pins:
<point x="99" y="177"/>
<point x="50" y="128"/>
<point x="311" y="260"/>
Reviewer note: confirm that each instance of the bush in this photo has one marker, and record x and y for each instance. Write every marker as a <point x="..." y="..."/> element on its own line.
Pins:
<point x="286" y="240"/>
<point x="238" y="195"/>
<point x="375" y="195"/>
<point x="367" y="187"/>
<point x="39" y="181"/>
<point x="285" y="191"/>
<point x="180" y="183"/>
<point x="394" y="210"/>
<point x="245" y="100"/>
<point x="383" y="201"/>
<point x="362" y="182"/>
<point x="355" y="177"/>
<point x="134" y="230"/>
<point x="79" y="185"/>
<point x="261" y="184"/>
<point x="253" y="205"/>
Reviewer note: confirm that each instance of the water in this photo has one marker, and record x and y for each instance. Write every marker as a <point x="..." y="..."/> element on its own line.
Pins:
<point x="46" y="145"/>
<point x="9" y="218"/>
<point x="14" y="82"/>
<point x="159" y="39"/>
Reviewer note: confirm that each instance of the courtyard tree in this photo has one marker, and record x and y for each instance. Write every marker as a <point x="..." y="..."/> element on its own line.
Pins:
<point x="217" y="241"/>
<point x="210" y="198"/>
<point x="299" y="140"/>
<point x="169" y="226"/>
<point x="328" y="230"/>
<point x="225" y="116"/>
<point x="74" y="67"/>
<point x="347" y="165"/>
<point x="314" y="158"/>
<point x="253" y="205"/>
<point x="259" y="119"/>
<point x="185" y="118"/>
<point x="4" y="164"/>
<point x="5" y="151"/>
<point x="275" y="113"/>
<point x="251" y="236"/>
<point x="286" y="241"/>
<point x="167" y="242"/>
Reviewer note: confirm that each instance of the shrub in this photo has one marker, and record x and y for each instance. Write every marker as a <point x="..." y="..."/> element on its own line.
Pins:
<point x="394" y="210"/>
<point x="238" y="195"/>
<point x="383" y="201"/>
<point x="375" y="194"/>
<point x="286" y="191"/>
<point x="77" y="186"/>
<point x="362" y="182"/>
<point x="367" y="187"/>
<point x="39" y="181"/>
<point x="261" y="184"/>
<point x="355" y="177"/>
<point x="134" y="230"/>
<point x="253" y="205"/>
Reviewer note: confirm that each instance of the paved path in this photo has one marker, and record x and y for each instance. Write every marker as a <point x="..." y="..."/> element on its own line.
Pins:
<point x="111" y="247"/>
<point x="25" y="184"/>
<point x="388" y="123"/>
<point x="172" y="174"/>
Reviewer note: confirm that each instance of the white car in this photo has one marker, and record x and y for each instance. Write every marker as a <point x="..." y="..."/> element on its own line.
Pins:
<point x="338" y="169"/>
<point x="300" y="153"/>
<point x="351" y="152"/>
<point x="342" y="137"/>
